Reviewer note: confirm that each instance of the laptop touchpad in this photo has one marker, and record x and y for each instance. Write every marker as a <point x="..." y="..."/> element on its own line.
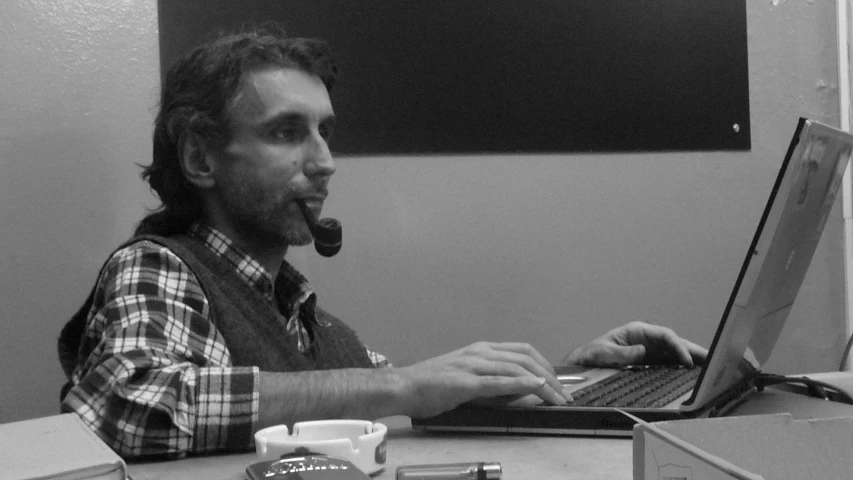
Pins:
<point x="571" y="374"/>
<point x="571" y="379"/>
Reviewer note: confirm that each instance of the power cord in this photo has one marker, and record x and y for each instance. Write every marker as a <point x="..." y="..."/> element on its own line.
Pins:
<point x="815" y="388"/>
<point x="843" y="364"/>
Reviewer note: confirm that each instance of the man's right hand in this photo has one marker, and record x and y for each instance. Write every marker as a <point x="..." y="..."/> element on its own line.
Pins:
<point x="480" y="370"/>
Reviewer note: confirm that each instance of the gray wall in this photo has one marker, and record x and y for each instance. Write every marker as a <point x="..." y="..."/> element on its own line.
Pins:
<point x="439" y="251"/>
<point x="555" y="250"/>
<point x="79" y="87"/>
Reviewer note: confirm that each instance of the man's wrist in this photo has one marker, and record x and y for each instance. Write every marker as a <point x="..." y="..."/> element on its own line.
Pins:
<point x="572" y="358"/>
<point x="365" y="393"/>
<point x="400" y="397"/>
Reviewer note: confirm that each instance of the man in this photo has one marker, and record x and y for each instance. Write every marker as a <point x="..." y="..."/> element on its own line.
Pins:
<point x="198" y="332"/>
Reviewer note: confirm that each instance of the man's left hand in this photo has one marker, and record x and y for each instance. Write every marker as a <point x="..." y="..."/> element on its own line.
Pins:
<point x="638" y="342"/>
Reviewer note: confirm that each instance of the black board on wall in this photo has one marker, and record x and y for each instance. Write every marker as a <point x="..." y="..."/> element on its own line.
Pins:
<point x="498" y="76"/>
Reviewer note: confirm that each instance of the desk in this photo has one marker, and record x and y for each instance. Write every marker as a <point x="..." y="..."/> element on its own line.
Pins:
<point x="522" y="457"/>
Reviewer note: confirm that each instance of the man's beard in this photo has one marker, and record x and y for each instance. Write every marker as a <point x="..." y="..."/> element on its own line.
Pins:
<point x="269" y="219"/>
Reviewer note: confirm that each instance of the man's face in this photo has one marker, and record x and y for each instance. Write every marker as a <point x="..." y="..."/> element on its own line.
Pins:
<point x="282" y="122"/>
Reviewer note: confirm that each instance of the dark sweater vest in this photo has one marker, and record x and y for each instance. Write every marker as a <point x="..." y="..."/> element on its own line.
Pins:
<point x="245" y="318"/>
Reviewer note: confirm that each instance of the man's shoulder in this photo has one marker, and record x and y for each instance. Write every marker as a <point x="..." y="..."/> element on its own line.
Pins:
<point x="142" y="246"/>
<point x="145" y="252"/>
<point x="145" y="266"/>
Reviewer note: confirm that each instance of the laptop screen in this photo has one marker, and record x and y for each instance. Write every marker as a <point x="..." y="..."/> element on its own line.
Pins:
<point x="777" y="260"/>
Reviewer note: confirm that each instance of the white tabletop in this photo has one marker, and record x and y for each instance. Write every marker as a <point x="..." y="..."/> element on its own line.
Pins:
<point x="534" y="457"/>
<point x="521" y="457"/>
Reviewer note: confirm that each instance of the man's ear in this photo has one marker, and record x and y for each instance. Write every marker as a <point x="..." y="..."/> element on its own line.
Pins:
<point x="196" y="161"/>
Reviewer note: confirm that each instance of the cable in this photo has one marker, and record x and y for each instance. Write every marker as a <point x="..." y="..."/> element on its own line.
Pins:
<point x="842" y="366"/>
<point x="815" y="388"/>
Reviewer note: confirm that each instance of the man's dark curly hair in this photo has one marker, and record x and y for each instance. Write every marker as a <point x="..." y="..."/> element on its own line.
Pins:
<point x="198" y="96"/>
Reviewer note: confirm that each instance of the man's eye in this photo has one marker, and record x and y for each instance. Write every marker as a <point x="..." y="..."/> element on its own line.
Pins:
<point x="287" y="133"/>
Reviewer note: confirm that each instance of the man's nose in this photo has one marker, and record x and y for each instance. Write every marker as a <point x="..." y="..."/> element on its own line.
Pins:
<point x="319" y="161"/>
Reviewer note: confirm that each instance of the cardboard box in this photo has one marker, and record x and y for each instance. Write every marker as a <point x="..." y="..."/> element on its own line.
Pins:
<point x="748" y="447"/>
<point x="57" y="447"/>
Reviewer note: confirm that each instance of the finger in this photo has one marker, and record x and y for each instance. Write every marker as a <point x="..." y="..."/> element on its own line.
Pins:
<point x="526" y="349"/>
<point x="503" y="368"/>
<point x="551" y="395"/>
<point x="520" y="386"/>
<point x="627" y="355"/>
<point x="677" y="344"/>
<point x="504" y="386"/>
<point x="527" y="356"/>
<point x="697" y="352"/>
<point x="530" y="364"/>
<point x="529" y="400"/>
<point x="666" y="343"/>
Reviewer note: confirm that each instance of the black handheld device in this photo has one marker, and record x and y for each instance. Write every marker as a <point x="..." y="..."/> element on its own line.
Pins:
<point x="305" y="467"/>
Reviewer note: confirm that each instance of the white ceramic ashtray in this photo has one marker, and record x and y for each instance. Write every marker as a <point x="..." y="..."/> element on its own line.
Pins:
<point x="359" y="441"/>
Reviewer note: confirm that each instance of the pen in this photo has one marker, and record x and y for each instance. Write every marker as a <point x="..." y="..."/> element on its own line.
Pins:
<point x="451" y="471"/>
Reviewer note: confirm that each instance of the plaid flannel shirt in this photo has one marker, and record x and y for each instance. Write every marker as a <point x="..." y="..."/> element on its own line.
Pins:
<point x="154" y="376"/>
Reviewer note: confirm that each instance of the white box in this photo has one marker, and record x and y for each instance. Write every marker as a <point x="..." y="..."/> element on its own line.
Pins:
<point x="748" y="447"/>
<point x="56" y="447"/>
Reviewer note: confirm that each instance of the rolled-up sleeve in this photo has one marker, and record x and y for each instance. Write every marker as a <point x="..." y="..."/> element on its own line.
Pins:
<point x="154" y="376"/>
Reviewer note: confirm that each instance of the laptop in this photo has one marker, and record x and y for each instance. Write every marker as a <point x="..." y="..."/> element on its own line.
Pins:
<point x="764" y="292"/>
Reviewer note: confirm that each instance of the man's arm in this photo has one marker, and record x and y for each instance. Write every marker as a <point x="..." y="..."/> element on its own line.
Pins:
<point x="156" y="377"/>
<point x="424" y="389"/>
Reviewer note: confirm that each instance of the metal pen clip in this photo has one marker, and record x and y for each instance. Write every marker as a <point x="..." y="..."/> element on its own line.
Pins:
<point x="451" y="471"/>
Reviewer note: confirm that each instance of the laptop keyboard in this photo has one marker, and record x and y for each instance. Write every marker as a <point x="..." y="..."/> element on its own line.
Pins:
<point x="643" y="386"/>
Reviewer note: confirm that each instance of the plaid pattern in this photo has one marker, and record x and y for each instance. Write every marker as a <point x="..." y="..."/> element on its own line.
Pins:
<point x="154" y="376"/>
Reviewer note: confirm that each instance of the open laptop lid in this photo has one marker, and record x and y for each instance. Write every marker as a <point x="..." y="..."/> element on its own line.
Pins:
<point x="776" y="262"/>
